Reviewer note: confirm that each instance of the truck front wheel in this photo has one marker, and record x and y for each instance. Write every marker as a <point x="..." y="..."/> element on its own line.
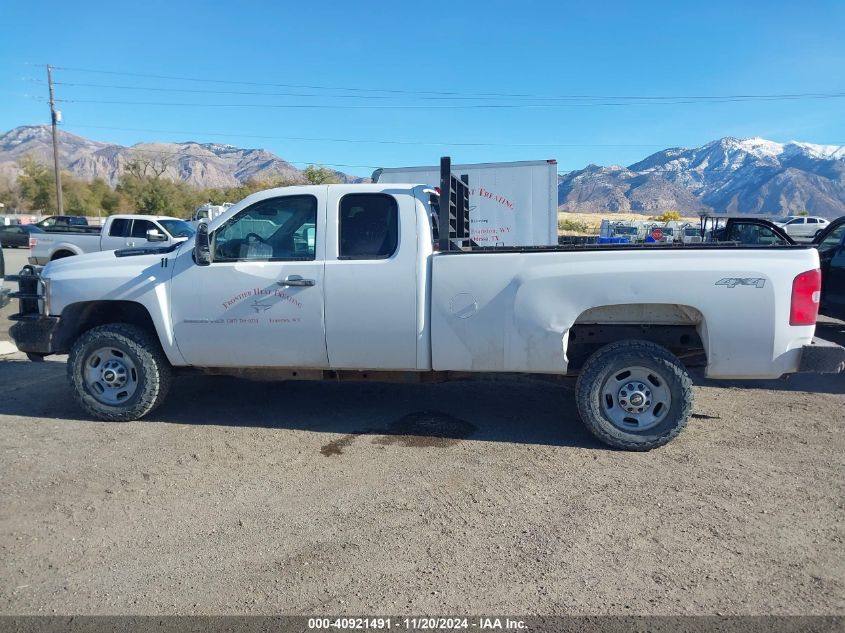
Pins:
<point x="118" y="372"/>
<point x="634" y="395"/>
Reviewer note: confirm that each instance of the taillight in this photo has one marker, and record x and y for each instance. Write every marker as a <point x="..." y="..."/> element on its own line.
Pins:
<point x="33" y="242"/>
<point x="806" y="292"/>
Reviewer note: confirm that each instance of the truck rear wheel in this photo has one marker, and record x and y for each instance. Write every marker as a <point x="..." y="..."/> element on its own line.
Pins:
<point x="118" y="372"/>
<point x="634" y="395"/>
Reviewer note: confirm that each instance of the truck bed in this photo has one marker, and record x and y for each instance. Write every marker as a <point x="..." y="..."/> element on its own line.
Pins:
<point x="513" y="309"/>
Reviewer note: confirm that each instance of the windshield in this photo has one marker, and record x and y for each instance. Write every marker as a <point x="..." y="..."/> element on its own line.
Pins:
<point x="783" y="220"/>
<point x="178" y="228"/>
<point x="625" y="230"/>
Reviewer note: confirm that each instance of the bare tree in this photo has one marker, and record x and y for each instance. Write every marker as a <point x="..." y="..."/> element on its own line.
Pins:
<point x="147" y="165"/>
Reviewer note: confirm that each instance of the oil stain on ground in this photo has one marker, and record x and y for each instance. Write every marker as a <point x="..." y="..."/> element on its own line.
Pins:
<point x="426" y="429"/>
<point x="421" y="429"/>
<point x="335" y="447"/>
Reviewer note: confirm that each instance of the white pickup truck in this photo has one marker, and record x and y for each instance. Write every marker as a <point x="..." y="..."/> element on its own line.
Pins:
<point x="118" y="231"/>
<point x="361" y="282"/>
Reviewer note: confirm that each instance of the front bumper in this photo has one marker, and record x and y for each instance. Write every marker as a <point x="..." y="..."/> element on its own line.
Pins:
<point x="822" y="357"/>
<point x="35" y="335"/>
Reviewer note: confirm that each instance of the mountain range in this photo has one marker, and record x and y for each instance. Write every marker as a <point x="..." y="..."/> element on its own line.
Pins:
<point x="727" y="175"/>
<point x="199" y="164"/>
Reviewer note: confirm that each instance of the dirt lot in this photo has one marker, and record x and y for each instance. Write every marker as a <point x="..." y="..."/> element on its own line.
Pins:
<point x="239" y="497"/>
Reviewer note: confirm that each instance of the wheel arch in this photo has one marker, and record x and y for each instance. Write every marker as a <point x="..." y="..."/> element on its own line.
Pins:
<point x="78" y="318"/>
<point x="682" y="329"/>
<point x="61" y="253"/>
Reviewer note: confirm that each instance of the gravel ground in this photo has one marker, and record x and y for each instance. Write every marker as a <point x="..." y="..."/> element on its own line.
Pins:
<point x="239" y="497"/>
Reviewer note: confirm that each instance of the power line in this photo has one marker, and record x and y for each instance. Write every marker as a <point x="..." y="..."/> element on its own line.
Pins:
<point x="323" y="106"/>
<point x="809" y="95"/>
<point x="365" y="141"/>
<point x="454" y="94"/>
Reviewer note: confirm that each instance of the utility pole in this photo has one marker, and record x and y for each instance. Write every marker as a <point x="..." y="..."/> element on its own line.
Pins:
<point x="54" y="119"/>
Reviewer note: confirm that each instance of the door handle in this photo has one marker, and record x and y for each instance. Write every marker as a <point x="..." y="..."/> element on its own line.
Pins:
<point x="296" y="280"/>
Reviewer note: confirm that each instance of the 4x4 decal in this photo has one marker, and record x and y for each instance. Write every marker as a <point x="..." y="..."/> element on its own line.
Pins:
<point x="733" y="282"/>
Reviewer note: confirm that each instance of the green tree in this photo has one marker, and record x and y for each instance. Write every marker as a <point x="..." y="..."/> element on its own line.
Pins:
<point x="37" y="185"/>
<point x="10" y="196"/>
<point x="77" y="197"/>
<point x="667" y="216"/>
<point x="319" y="175"/>
<point x="147" y="190"/>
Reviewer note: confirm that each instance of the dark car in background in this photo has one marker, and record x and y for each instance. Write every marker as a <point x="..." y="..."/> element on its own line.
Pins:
<point x="17" y="235"/>
<point x="62" y="221"/>
<point x="831" y="245"/>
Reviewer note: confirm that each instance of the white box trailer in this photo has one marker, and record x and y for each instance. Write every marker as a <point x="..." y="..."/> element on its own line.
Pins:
<point x="511" y="204"/>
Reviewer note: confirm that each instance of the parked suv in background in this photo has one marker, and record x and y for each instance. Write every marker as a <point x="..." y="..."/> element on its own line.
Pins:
<point x="802" y="227"/>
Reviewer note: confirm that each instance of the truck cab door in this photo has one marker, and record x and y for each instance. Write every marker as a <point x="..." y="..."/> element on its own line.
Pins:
<point x="260" y="301"/>
<point x="115" y="234"/>
<point x="832" y="264"/>
<point x="138" y="234"/>
<point x="372" y="280"/>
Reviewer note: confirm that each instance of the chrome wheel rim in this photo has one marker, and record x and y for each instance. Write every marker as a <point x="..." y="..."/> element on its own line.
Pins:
<point x="110" y="376"/>
<point x="635" y="398"/>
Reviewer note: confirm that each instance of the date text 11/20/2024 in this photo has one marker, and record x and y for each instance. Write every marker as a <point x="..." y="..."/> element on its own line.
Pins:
<point x="417" y="623"/>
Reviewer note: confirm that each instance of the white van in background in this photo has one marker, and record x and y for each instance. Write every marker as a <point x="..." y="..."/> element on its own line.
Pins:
<point x="209" y="211"/>
<point x="511" y="204"/>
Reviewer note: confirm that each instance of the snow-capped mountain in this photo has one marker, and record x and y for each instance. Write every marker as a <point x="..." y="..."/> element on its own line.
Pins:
<point x="199" y="164"/>
<point x="729" y="175"/>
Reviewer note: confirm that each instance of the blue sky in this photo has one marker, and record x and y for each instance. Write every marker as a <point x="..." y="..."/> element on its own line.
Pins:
<point x="613" y="50"/>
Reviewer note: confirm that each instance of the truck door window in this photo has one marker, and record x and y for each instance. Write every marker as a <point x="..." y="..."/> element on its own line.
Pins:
<point x="832" y="240"/>
<point x="119" y="227"/>
<point x="753" y="234"/>
<point x="140" y="228"/>
<point x="369" y="226"/>
<point x="275" y="229"/>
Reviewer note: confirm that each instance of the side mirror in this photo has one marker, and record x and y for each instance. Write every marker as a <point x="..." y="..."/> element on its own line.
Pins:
<point x="202" y="247"/>
<point x="154" y="235"/>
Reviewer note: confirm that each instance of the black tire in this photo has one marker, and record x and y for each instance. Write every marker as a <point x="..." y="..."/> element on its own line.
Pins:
<point x="150" y="369"/>
<point x="600" y="368"/>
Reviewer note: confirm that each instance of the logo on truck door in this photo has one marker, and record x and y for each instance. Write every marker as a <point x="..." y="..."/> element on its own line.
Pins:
<point x="733" y="282"/>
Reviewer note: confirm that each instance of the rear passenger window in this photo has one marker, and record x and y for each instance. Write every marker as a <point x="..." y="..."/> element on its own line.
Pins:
<point x="119" y="228"/>
<point x="369" y="226"/>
